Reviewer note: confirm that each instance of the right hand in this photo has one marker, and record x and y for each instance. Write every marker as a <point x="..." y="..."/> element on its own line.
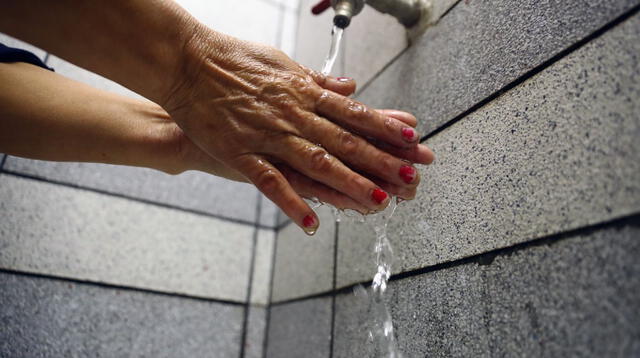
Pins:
<point x="261" y="114"/>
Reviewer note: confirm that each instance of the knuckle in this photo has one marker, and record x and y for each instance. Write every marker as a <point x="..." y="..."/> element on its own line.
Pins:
<point x="268" y="181"/>
<point x="357" y="111"/>
<point x="386" y="163"/>
<point x="348" y="143"/>
<point x="320" y="160"/>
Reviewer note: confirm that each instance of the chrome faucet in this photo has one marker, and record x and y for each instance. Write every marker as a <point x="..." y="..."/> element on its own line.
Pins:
<point x="410" y="13"/>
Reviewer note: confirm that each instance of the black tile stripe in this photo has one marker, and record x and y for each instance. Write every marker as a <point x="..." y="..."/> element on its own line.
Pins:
<point x="4" y="159"/>
<point x="537" y="69"/>
<point x="487" y="258"/>
<point x="252" y="262"/>
<point x="119" y="287"/>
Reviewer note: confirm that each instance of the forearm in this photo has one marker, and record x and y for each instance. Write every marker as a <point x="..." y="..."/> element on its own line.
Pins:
<point x="46" y="116"/>
<point x="137" y="43"/>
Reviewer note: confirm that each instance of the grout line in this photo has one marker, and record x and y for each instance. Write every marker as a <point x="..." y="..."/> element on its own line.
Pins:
<point x="4" y="159"/>
<point x="140" y="200"/>
<point x="486" y="258"/>
<point x="535" y="70"/>
<point x="252" y="262"/>
<point x="119" y="287"/>
<point x="336" y="235"/>
<point x="269" y="304"/>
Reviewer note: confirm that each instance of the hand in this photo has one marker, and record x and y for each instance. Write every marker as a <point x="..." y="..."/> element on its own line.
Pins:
<point x="253" y="109"/>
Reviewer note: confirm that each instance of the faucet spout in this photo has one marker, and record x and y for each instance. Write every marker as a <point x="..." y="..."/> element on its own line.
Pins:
<point x="408" y="12"/>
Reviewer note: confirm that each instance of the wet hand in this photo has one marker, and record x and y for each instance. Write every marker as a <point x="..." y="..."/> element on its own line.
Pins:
<point x="278" y="124"/>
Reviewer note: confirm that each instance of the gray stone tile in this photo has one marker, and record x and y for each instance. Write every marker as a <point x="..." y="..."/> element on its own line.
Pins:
<point x="556" y="153"/>
<point x="252" y="20"/>
<point x="314" y="38"/>
<point x="303" y="264"/>
<point x="577" y="298"/>
<point x="190" y="190"/>
<point x="372" y="40"/>
<point x="260" y="287"/>
<point x="440" y="7"/>
<point x="14" y="42"/>
<point x="256" y="329"/>
<point x="300" y="329"/>
<point x="479" y="47"/>
<point x="79" y="74"/>
<point x="55" y="318"/>
<point x="574" y="298"/>
<point x="439" y="314"/>
<point x="60" y="231"/>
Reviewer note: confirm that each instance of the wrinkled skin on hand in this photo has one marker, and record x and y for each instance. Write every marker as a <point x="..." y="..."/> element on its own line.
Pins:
<point x="276" y="123"/>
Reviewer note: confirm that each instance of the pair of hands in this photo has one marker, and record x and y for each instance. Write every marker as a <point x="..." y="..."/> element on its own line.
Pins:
<point x="258" y="116"/>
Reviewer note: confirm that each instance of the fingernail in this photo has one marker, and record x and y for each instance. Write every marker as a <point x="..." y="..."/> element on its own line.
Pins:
<point x="409" y="134"/>
<point x="407" y="173"/>
<point x="378" y="195"/>
<point x="310" y="224"/>
<point x="344" y="79"/>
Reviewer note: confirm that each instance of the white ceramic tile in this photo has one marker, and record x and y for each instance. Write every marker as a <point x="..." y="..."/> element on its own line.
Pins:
<point x="289" y="32"/>
<point x="252" y="20"/>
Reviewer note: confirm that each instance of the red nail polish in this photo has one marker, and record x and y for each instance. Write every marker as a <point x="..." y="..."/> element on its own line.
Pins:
<point x="343" y="79"/>
<point x="309" y="221"/>
<point x="407" y="173"/>
<point x="409" y="134"/>
<point x="378" y="195"/>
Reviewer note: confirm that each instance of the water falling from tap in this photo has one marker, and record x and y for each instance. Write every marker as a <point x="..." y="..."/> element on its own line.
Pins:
<point x="336" y="39"/>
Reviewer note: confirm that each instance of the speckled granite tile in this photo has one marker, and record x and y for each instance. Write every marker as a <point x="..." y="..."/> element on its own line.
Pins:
<point x="303" y="264"/>
<point x="190" y="190"/>
<point x="66" y="232"/>
<point x="56" y="318"/>
<point x="300" y="329"/>
<point x="479" y="47"/>
<point x="577" y="297"/>
<point x="555" y="153"/>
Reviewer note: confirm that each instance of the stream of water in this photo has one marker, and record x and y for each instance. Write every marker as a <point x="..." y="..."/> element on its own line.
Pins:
<point x="336" y="40"/>
<point x="381" y="337"/>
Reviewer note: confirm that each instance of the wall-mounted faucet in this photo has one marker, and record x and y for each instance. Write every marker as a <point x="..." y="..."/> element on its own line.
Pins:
<point x="410" y="13"/>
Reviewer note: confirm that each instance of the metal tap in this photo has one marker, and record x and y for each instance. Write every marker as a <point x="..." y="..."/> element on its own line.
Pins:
<point x="408" y="12"/>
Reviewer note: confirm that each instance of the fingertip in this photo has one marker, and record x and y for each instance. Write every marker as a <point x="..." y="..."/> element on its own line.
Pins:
<point x="310" y="223"/>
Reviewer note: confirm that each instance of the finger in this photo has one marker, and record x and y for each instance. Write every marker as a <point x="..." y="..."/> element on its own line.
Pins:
<point x="405" y="117"/>
<point x="420" y="154"/>
<point x="316" y="163"/>
<point x="274" y="186"/>
<point x="361" y="155"/>
<point x="396" y="190"/>
<point x="343" y="85"/>
<point x="309" y="188"/>
<point x="371" y="123"/>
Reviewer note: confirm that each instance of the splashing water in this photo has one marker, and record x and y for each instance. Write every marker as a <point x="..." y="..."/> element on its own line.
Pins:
<point x="378" y="322"/>
<point x="336" y="39"/>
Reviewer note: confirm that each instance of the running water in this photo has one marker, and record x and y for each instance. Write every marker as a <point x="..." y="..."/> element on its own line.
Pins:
<point x="336" y="39"/>
<point x="377" y="320"/>
<point x="380" y="327"/>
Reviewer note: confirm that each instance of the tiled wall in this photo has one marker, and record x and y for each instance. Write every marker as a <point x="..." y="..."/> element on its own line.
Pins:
<point x="100" y="260"/>
<point x="523" y="238"/>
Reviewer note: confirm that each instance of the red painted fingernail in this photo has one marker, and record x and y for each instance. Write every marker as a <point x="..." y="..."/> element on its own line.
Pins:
<point x="409" y="134"/>
<point x="344" y="79"/>
<point x="407" y="173"/>
<point x="378" y="195"/>
<point x="310" y="224"/>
